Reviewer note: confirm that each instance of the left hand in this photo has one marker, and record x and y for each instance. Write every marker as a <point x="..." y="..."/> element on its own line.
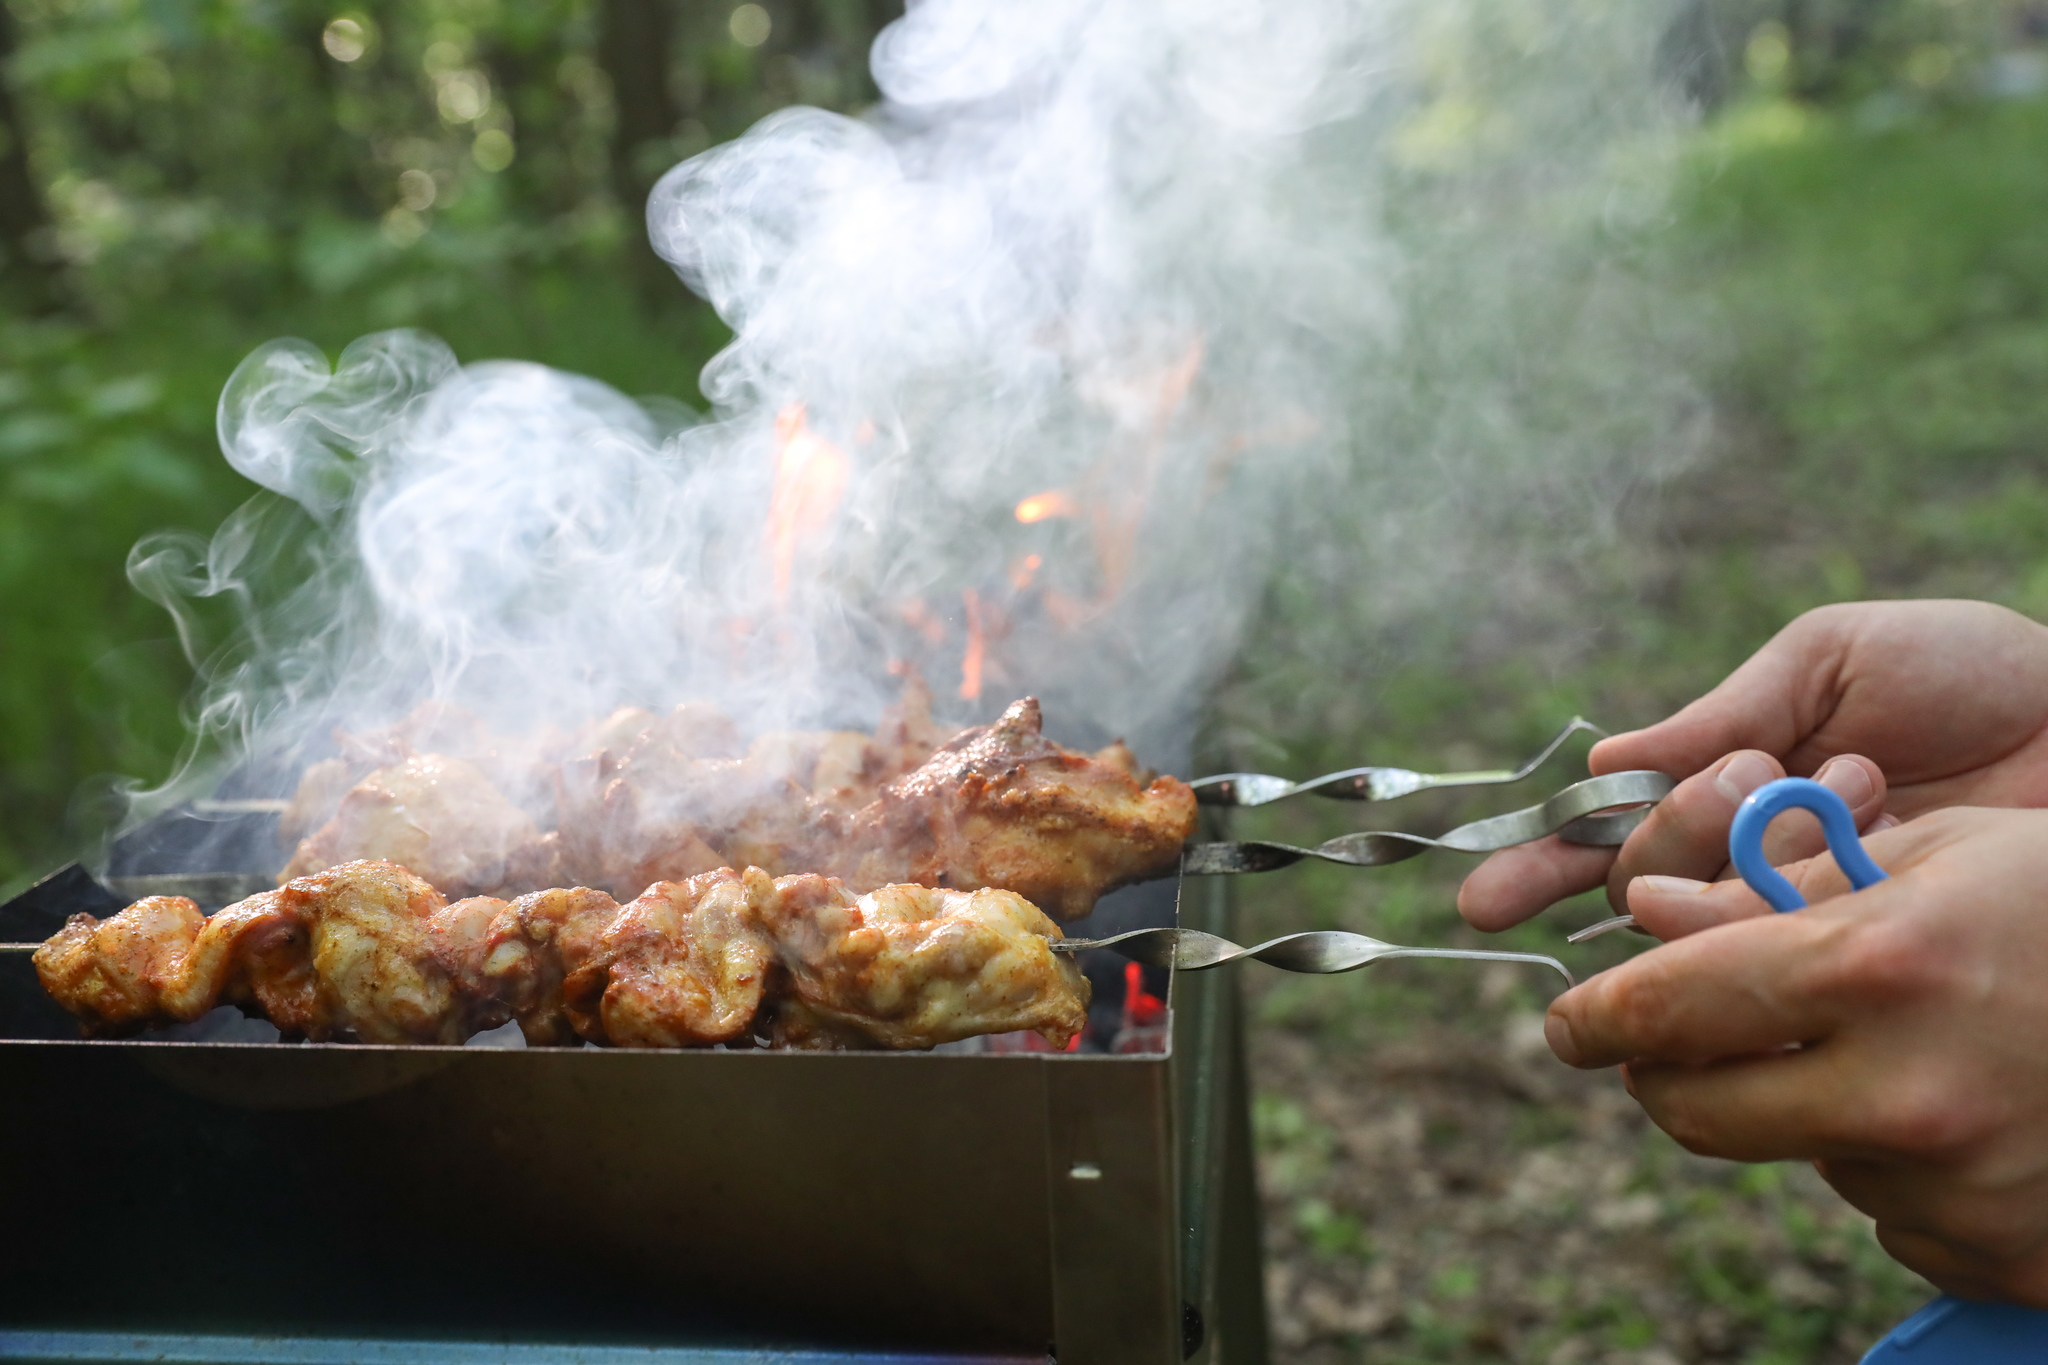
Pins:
<point x="1898" y="1038"/>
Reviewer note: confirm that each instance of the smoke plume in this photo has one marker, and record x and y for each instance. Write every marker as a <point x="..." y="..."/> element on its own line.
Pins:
<point x="1040" y="369"/>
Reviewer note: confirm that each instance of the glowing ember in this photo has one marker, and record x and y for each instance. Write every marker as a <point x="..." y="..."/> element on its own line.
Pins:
<point x="1044" y="506"/>
<point x="810" y="478"/>
<point x="1024" y="570"/>
<point x="977" y="645"/>
<point x="1142" y="1009"/>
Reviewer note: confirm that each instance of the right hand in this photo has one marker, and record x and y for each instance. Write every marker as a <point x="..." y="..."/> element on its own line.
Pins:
<point x="1899" y="707"/>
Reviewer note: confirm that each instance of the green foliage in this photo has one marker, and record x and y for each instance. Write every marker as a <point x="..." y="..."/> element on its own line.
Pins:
<point x="106" y="435"/>
<point x="218" y="174"/>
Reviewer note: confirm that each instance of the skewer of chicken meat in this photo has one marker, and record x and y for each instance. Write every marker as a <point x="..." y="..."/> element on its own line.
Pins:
<point x="995" y="806"/>
<point x="369" y="952"/>
<point x="1003" y="806"/>
<point x="355" y="952"/>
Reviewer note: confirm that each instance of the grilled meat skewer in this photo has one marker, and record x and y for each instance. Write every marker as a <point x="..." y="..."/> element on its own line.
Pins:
<point x="666" y="798"/>
<point x="369" y="952"/>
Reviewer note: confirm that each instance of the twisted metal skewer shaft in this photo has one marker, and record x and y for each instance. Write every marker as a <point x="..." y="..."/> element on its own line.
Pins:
<point x="1583" y="813"/>
<point x="1319" y="951"/>
<point x="1369" y="784"/>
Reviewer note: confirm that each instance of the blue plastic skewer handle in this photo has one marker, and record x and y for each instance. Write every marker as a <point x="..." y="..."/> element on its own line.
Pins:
<point x="1949" y="1331"/>
<point x="1773" y="799"/>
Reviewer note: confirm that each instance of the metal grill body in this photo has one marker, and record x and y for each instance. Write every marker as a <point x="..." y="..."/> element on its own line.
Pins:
<point x="1098" y="1208"/>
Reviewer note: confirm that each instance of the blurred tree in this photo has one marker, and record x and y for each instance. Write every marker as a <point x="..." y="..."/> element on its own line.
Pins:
<point x="208" y="174"/>
<point x="637" y="38"/>
<point x="24" y="221"/>
<point x="1840" y="51"/>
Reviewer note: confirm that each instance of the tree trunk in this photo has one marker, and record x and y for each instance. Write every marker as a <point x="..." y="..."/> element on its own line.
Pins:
<point x="634" y="45"/>
<point x="24" y="220"/>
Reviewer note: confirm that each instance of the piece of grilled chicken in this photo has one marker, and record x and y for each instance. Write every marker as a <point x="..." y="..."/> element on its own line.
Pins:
<point x="996" y="806"/>
<point x="368" y="952"/>
<point x="666" y="798"/>
<point x="911" y="966"/>
<point x="441" y="817"/>
<point x="1003" y="806"/>
<point x="353" y="952"/>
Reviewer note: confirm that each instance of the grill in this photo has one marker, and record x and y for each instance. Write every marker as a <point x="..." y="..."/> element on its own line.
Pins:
<point x="216" y="1202"/>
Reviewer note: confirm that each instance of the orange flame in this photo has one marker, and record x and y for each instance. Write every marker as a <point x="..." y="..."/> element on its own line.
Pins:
<point x="1046" y="505"/>
<point x="977" y="646"/>
<point x="810" y="478"/>
<point x="1024" y="570"/>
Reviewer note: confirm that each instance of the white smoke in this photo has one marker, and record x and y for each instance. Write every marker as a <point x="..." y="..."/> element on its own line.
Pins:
<point x="1143" y="258"/>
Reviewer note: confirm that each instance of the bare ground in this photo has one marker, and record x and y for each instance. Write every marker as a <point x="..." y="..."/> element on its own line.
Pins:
<point x="1447" y="1191"/>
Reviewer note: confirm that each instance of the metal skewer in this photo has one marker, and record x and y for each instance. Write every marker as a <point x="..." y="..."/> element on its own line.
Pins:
<point x="1605" y="926"/>
<point x="1583" y="813"/>
<point x="19" y="947"/>
<point x="1321" y="951"/>
<point x="1369" y="784"/>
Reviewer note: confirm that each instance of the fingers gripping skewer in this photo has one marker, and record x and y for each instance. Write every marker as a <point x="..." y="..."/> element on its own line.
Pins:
<point x="1370" y="784"/>
<point x="1320" y="951"/>
<point x="1599" y="811"/>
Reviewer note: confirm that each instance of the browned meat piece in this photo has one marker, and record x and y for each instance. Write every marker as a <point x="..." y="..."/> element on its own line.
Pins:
<point x="667" y="798"/>
<point x="528" y="949"/>
<point x="318" y="797"/>
<point x="911" y="967"/>
<point x="908" y="735"/>
<point x="369" y="952"/>
<point x="430" y="728"/>
<point x="160" y="961"/>
<point x="349" y="953"/>
<point x="1003" y="806"/>
<point x="686" y="964"/>
<point x="371" y="931"/>
<point x="438" y="816"/>
<point x="630" y="811"/>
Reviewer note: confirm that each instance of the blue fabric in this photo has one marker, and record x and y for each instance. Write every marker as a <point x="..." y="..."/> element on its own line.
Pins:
<point x="1953" y="1331"/>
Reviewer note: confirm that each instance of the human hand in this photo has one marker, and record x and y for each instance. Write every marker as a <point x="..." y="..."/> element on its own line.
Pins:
<point x="1902" y="707"/>
<point x="1897" y="1037"/>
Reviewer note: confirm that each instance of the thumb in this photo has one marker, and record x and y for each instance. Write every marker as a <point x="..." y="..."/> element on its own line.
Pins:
<point x="1772" y="702"/>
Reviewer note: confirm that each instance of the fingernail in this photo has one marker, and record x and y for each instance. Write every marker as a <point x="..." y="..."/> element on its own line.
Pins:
<point x="1663" y="885"/>
<point x="1558" y="1034"/>
<point x="1847" y="780"/>
<point x="1882" y="823"/>
<point x="1743" y="774"/>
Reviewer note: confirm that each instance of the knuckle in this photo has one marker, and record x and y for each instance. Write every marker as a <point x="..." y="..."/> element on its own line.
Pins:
<point x="1887" y="962"/>
<point x="1927" y="1117"/>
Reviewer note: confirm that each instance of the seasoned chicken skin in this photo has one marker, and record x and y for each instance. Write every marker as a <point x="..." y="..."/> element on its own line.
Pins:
<point x="528" y="948"/>
<point x="911" y="967"/>
<point x="439" y="816"/>
<point x="685" y="964"/>
<point x="666" y="798"/>
<point x="351" y="953"/>
<point x="162" y="962"/>
<point x="368" y="952"/>
<point x="1003" y="806"/>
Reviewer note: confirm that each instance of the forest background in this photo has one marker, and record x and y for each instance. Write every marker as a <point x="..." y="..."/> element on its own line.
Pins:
<point x="1856" y="222"/>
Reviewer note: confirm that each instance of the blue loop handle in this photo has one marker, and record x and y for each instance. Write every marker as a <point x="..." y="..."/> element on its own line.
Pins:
<point x="1949" y="1331"/>
<point x="1767" y="803"/>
